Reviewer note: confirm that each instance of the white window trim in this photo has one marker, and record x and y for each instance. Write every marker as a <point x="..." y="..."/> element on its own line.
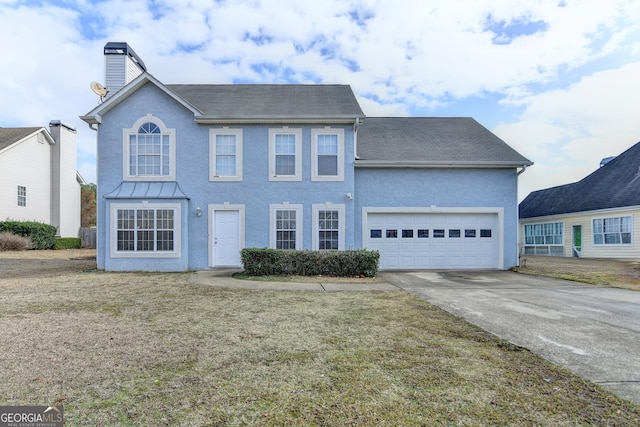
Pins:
<point x="272" y="154"/>
<point x="272" y="222"/>
<point x="113" y="227"/>
<point x="172" y="150"/>
<point x="314" y="154"/>
<point x="603" y="244"/>
<point x="533" y="224"/>
<point x="316" y="208"/>
<point x="212" y="154"/>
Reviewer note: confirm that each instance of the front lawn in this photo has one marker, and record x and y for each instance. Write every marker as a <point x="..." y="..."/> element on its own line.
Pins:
<point x="154" y="349"/>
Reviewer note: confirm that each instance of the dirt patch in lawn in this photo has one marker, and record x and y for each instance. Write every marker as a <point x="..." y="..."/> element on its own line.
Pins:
<point x="606" y="272"/>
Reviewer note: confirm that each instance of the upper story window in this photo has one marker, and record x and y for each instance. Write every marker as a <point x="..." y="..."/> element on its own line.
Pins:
<point x="149" y="151"/>
<point x="22" y="195"/>
<point x="225" y="154"/>
<point x="285" y="154"/>
<point x="612" y="231"/>
<point x="327" y="151"/>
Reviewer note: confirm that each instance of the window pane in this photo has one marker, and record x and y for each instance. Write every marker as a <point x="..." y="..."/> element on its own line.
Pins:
<point x="328" y="165"/>
<point x="485" y="233"/>
<point x="438" y="233"/>
<point x="285" y="164"/>
<point x="286" y="229"/>
<point x="375" y="234"/>
<point x="406" y="234"/>
<point x="470" y="233"/>
<point x="328" y="229"/>
<point x="423" y="233"/>
<point x="146" y="230"/>
<point x="454" y="233"/>
<point x="392" y="234"/>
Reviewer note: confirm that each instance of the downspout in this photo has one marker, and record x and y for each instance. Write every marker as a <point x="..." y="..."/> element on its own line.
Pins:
<point x="356" y="123"/>
<point x="524" y="168"/>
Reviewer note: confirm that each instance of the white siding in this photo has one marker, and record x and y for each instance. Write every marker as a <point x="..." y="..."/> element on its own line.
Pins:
<point x="26" y="164"/>
<point x="589" y="250"/>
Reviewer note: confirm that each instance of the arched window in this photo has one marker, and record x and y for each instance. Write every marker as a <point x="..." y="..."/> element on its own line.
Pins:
<point x="149" y="150"/>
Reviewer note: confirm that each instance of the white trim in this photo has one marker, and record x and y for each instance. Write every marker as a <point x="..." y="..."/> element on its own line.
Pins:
<point x="172" y="150"/>
<point x="315" y="208"/>
<point x="314" y="153"/>
<point x="212" y="154"/>
<point x="442" y="210"/>
<point x="297" y="132"/>
<point x="211" y="209"/>
<point x="603" y="244"/>
<point x="177" y="230"/>
<point x="272" y="222"/>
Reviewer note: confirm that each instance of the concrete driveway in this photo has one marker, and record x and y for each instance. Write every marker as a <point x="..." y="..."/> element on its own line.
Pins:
<point x="592" y="331"/>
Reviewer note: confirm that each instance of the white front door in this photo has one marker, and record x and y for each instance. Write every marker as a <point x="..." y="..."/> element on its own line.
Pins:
<point x="225" y="239"/>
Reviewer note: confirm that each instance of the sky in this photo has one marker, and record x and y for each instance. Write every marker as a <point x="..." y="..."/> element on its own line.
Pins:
<point x="558" y="80"/>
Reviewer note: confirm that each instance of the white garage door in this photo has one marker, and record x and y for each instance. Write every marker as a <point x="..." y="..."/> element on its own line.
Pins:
<point x="434" y="240"/>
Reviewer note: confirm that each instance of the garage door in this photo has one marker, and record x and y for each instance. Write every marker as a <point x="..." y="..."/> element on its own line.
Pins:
<point x="434" y="240"/>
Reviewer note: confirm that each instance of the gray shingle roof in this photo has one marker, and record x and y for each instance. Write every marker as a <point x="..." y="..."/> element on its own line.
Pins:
<point x="433" y="141"/>
<point x="255" y="101"/>
<point x="9" y="136"/>
<point x="616" y="184"/>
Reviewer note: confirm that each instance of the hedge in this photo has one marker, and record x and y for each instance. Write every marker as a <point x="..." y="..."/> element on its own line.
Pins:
<point x="277" y="262"/>
<point x="43" y="236"/>
<point x="68" y="243"/>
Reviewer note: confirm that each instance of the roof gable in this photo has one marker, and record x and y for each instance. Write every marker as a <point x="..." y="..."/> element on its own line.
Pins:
<point x="10" y="136"/>
<point x="432" y="141"/>
<point x="616" y="184"/>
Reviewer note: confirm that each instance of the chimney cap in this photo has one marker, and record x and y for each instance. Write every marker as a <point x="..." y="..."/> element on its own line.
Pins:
<point x="123" y="48"/>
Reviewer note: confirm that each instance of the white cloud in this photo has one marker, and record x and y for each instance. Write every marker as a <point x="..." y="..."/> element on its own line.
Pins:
<point x="567" y="68"/>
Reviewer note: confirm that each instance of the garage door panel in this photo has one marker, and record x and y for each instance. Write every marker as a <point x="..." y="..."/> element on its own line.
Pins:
<point x="434" y="240"/>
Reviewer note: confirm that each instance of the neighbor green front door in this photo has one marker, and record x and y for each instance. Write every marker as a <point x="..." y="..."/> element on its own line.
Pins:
<point x="577" y="240"/>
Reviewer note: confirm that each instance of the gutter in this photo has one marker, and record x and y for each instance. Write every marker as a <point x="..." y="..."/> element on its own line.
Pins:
<point x="436" y="164"/>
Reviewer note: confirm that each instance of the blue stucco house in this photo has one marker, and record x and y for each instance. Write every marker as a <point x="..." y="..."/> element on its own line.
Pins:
<point x="190" y="174"/>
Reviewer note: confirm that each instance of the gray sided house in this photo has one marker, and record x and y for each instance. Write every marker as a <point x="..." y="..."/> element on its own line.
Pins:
<point x="596" y="217"/>
<point x="188" y="175"/>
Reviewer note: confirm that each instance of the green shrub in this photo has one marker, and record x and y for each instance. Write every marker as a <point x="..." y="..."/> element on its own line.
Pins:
<point x="13" y="242"/>
<point x="68" y="243"/>
<point x="43" y="236"/>
<point x="264" y="261"/>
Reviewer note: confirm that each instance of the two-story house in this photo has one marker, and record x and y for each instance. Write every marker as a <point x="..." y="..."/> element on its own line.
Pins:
<point x="188" y="175"/>
<point x="38" y="177"/>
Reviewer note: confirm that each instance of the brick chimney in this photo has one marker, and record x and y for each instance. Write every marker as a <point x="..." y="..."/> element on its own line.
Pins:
<point x="122" y="65"/>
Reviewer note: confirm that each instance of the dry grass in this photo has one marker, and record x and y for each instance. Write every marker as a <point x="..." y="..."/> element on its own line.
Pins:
<point x="606" y="272"/>
<point x="153" y="349"/>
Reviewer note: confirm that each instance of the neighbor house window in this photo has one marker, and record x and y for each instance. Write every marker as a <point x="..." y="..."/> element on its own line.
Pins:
<point x="22" y="195"/>
<point x="225" y="154"/>
<point x="327" y="151"/>
<point x="285" y="154"/>
<point x="544" y="239"/>
<point x="149" y="150"/>
<point x="145" y="230"/>
<point x="328" y="227"/>
<point x="286" y="226"/>
<point x="612" y="231"/>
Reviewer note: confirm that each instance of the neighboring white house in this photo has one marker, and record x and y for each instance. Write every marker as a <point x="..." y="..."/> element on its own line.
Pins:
<point x="38" y="177"/>
<point x="596" y="217"/>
